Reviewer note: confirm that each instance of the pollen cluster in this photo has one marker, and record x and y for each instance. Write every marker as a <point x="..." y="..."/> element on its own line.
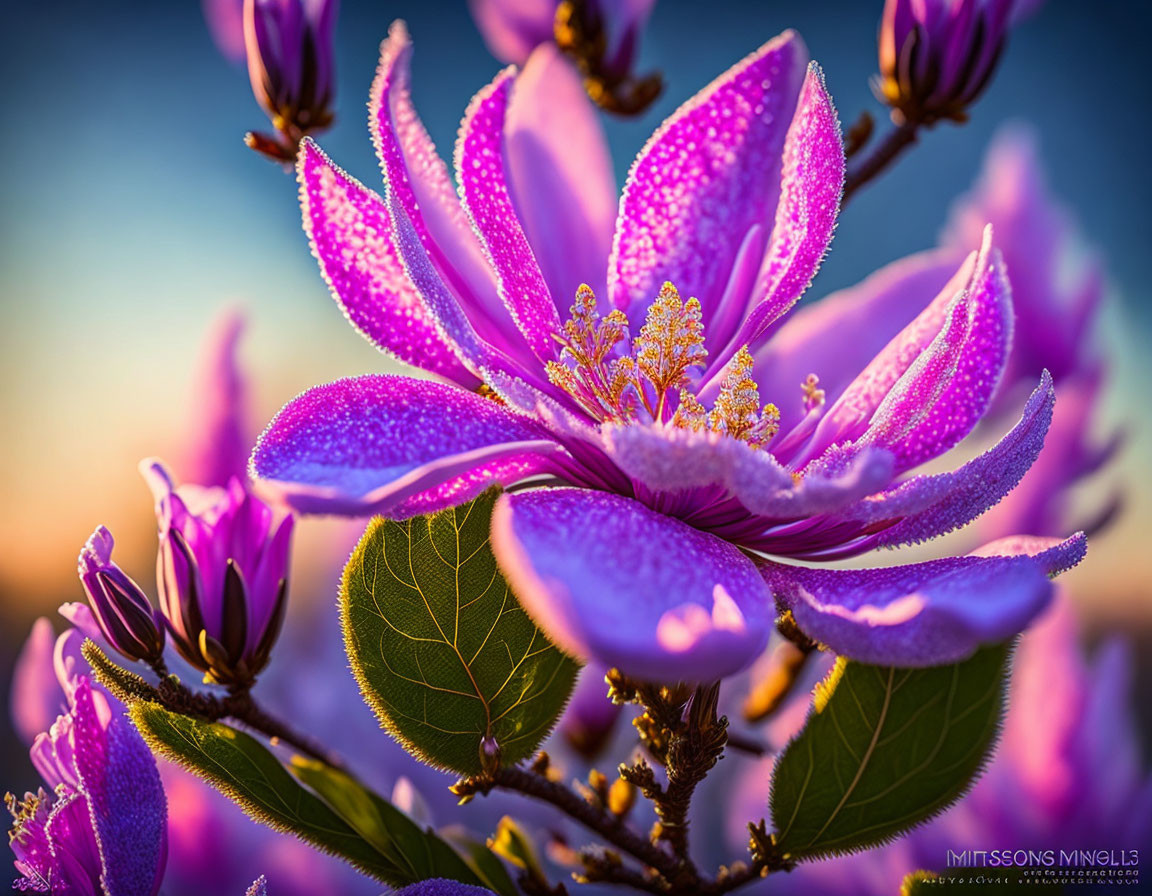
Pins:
<point x="648" y="379"/>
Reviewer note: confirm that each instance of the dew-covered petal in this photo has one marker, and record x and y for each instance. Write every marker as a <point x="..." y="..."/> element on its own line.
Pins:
<point x="709" y="174"/>
<point x="560" y="174"/>
<point x="439" y="886"/>
<point x="931" y="384"/>
<point x="924" y="614"/>
<point x="485" y="191"/>
<point x="837" y="336"/>
<point x="393" y="445"/>
<point x="118" y="776"/>
<point x="353" y="239"/>
<point x="811" y="184"/>
<point x="610" y="580"/>
<point x="419" y="178"/>
<point x="934" y="504"/>
<point x="674" y="460"/>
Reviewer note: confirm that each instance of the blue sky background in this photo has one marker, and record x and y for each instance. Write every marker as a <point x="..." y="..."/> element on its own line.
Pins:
<point x="132" y="212"/>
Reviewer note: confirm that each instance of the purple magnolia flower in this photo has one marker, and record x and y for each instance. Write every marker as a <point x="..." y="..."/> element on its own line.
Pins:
<point x="289" y="46"/>
<point x="937" y="56"/>
<point x="640" y="562"/>
<point x="222" y="575"/>
<point x="220" y="432"/>
<point x="123" y="612"/>
<point x="1067" y="774"/>
<point x="101" y="832"/>
<point x="602" y="37"/>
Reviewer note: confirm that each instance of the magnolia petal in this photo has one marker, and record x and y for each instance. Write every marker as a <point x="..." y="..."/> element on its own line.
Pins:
<point x="873" y="312"/>
<point x="610" y="580"/>
<point x="931" y="384"/>
<point x="811" y="184"/>
<point x="924" y="614"/>
<point x="485" y="191"/>
<point x="218" y="434"/>
<point x="560" y="174"/>
<point x="416" y="174"/>
<point x="935" y="504"/>
<point x="512" y="28"/>
<point x="36" y="696"/>
<point x="118" y="776"/>
<point x="393" y="445"/>
<point x="353" y="240"/>
<point x="674" y="460"/>
<point x="705" y="178"/>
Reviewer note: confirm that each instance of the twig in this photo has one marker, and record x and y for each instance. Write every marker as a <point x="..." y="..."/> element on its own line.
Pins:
<point x="600" y="821"/>
<point x="240" y="706"/>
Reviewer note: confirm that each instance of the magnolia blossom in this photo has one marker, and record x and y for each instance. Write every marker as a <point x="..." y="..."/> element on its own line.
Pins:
<point x="222" y="574"/>
<point x="101" y="829"/>
<point x="645" y="404"/>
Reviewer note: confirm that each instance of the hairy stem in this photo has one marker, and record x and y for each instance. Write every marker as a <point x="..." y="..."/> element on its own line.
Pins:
<point x="880" y="157"/>
<point x="240" y="706"/>
<point x="597" y="820"/>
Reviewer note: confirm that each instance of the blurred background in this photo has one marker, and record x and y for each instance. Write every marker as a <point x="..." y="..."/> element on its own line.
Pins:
<point x="133" y="213"/>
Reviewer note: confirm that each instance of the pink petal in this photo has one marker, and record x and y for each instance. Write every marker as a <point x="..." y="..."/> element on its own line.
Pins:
<point x="485" y="190"/>
<point x="707" y="176"/>
<point x="610" y="580"/>
<point x="393" y="445"/>
<point x="353" y="239"/>
<point x="418" y="177"/>
<point x="924" y="614"/>
<point x="812" y="182"/>
<point x="560" y="174"/>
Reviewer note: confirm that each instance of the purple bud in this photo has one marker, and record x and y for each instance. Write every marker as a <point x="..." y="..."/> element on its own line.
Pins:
<point x="121" y="609"/>
<point x="289" y="46"/>
<point x="937" y="56"/>
<point x="222" y="572"/>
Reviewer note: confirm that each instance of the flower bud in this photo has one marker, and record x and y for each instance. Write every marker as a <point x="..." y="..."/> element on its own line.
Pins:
<point x="937" y="56"/>
<point x="123" y="612"/>
<point x="222" y="575"/>
<point x="289" y="47"/>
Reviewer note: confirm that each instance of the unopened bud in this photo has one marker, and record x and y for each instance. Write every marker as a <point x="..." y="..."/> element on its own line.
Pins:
<point x="123" y="612"/>
<point x="937" y="56"/>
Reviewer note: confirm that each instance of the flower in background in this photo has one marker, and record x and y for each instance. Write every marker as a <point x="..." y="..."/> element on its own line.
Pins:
<point x="937" y="56"/>
<point x="674" y="466"/>
<point x="102" y="829"/>
<point x="290" y="64"/>
<point x="123" y="612"/>
<point x="602" y="37"/>
<point x="222" y="573"/>
<point x="225" y="21"/>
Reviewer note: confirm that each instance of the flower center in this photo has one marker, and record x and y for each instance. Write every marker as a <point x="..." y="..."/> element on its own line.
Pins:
<point x="648" y="379"/>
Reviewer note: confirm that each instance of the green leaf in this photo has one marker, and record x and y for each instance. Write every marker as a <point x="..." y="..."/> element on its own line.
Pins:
<point x="443" y="652"/>
<point x="125" y="686"/>
<point x="420" y="852"/>
<point x="883" y="750"/>
<point x="383" y="843"/>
